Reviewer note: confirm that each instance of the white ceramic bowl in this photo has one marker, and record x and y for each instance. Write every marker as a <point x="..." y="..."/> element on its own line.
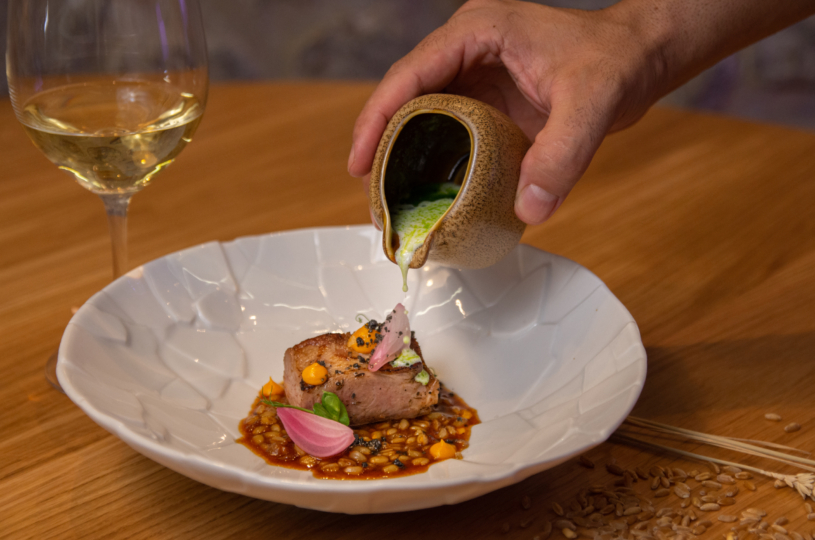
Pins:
<point x="170" y="357"/>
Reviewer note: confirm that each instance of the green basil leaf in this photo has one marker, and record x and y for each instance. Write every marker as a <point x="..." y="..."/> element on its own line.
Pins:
<point x="332" y="403"/>
<point x="319" y="410"/>
<point x="330" y="399"/>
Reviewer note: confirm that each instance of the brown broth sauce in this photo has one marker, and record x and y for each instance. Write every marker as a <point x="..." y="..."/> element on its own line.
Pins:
<point x="381" y="450"/>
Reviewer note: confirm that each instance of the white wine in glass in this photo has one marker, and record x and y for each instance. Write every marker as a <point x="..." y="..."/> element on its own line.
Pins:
<point x="110" y="90"/>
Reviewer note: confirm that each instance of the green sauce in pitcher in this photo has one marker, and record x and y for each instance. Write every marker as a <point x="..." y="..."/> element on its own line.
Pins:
<point x="412" y="222"/>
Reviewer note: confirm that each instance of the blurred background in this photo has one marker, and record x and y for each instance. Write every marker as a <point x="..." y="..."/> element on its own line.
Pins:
<point x="772" y="81"/>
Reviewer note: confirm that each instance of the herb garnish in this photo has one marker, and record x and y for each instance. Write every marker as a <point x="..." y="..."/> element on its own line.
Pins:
<point x="330" y="406"/>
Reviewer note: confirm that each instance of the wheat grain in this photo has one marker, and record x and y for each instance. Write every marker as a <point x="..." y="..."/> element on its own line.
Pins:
<point x="565" y="524"/>
<point x="725" y="479"/>
<point x="614" y="469"/>
<point x="586" y="462"/>
<point x="546" y="530"/>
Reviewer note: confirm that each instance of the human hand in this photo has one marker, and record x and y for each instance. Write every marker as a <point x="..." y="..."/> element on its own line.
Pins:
<point x="566" y="77"/>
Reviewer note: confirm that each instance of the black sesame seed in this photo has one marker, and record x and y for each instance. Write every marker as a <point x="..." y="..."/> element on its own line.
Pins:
<point x="398" y="463"/>
<point x="450" y="441"/>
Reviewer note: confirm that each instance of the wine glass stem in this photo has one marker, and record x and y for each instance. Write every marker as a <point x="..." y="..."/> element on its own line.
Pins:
<point x="116" y="207"/>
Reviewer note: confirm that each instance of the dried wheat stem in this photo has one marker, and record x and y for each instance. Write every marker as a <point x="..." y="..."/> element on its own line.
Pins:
<point x="771" y="445"/>
<point x="803" y="483"/>
<point x="627" y="438"/>
<point x="745" y="449"/>
<point x="723" y="442"/>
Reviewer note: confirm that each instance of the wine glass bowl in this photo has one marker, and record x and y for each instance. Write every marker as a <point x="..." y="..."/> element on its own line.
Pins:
<point x="110" y="91"/>
<point x="112" y="136"/>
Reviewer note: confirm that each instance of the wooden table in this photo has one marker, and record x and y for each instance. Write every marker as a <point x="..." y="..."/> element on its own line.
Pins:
<point x="704" y="227"/>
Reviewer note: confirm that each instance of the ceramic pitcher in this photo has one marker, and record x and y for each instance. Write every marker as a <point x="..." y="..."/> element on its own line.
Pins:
<point x="441" y="138"/>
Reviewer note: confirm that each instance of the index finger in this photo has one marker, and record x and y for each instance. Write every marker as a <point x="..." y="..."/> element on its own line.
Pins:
<point x="430" y="67"/>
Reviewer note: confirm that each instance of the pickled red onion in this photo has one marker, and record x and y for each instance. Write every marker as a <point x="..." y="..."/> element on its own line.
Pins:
<point x="394" y="332"/>
<point x="317" y="436"/>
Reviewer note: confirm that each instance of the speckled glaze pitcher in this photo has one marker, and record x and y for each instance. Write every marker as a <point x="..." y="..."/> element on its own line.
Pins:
<point x="441" y="138"/>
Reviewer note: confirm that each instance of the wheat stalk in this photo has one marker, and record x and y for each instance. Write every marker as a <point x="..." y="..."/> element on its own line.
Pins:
<point x="725" y="442"/>
<point x="803" y="483"/>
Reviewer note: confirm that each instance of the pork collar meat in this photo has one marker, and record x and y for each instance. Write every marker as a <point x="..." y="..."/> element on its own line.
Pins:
<point x="386" y="394"/>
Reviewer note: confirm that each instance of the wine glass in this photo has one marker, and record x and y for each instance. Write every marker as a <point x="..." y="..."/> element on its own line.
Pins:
<point x="110" y="90"/>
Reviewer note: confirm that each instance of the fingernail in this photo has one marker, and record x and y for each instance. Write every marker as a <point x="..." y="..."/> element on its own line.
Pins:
<point x="351" y="159"/>
<point x="534" y="204"/>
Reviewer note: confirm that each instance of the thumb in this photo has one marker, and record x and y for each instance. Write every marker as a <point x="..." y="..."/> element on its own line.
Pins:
<point x="557" y="159"/>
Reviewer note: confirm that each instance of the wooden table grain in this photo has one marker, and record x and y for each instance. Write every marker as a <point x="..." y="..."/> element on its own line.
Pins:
<point x="703" y="226"/>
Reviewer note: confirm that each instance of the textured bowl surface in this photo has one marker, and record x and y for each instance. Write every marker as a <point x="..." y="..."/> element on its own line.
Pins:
<point x="170" y="357"/>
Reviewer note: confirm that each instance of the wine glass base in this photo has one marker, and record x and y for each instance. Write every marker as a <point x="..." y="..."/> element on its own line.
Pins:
<point x="51" y="372"/>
